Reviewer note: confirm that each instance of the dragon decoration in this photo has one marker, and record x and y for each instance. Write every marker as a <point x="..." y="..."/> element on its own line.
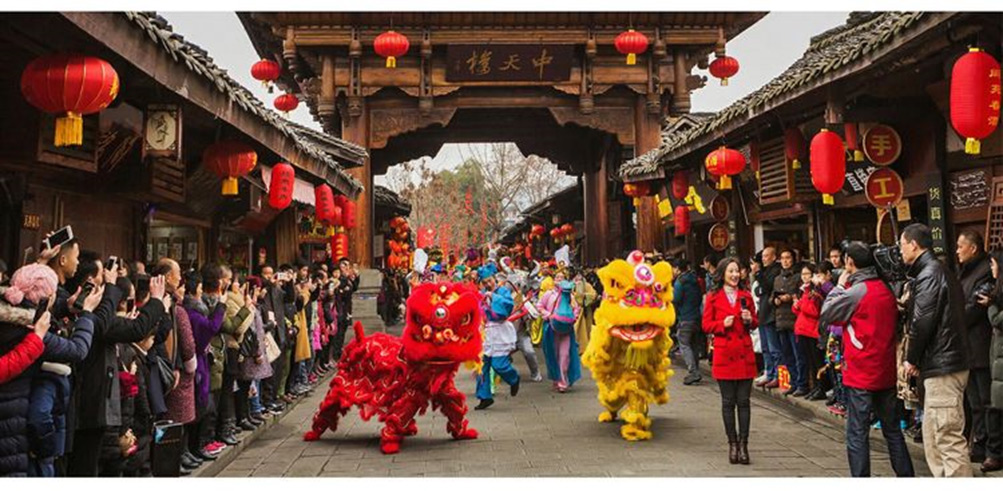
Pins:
<point x="629" y="345"/>
<point x="396" y="378"/>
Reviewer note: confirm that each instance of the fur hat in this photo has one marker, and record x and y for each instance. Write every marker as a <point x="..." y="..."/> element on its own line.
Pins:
<point x="32" y="283"/>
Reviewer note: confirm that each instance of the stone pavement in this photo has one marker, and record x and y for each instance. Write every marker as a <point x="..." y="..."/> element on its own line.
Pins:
<point x="543" y="433"/>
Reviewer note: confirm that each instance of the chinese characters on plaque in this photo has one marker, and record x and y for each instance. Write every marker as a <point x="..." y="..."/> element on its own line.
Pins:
<point x="503" y="62"/>
<point x="935" y="206"/>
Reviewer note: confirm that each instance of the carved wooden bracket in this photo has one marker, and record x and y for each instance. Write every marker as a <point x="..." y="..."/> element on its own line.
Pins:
<point x="289" y="50"/>
<point x="425" y="92"/>
<point x="616" y="120"/>
<point x="385" y="124"/>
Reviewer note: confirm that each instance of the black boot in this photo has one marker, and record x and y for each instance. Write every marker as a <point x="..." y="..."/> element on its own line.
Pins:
<point x="515" y="389"/>
<point x="743" y="451"/>
<point x="732" y="452"/>
<point x="484" y="404"/>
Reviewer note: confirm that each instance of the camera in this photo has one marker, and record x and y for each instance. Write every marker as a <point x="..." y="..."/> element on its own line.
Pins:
<point x="887" y="260"/>
<point x="985" y="289"/>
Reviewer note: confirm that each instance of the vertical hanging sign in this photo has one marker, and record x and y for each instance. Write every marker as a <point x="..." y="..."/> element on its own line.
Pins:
<point x="935" y="207"/>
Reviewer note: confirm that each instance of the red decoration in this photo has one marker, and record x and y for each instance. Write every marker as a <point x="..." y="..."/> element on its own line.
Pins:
<point x="724" y="67"/>
<point x="347" y="211"/>
<point x="280" y="190"/>
<point x="975" y="97"/>
<point x="426" y="237"/>
<point x="682" y="220"/>
<point x="725" y="162"/>
<point x="884" y="188"/>
<point x="637" y="189"/>
<point x="567" y="229"/>
<point x="852" y="136"/>
<point x="794" y="146"/>
<point x="828" y="164"/>
<point x="229" y="160"/>
<point x="267" y="71"/>
<point x="631" y="43"/>
<point x="680" y="184"/>
<point x="555" y="232"/>
<point x="882" y="144"/>
<point x="69" y="86"/>
<point x="391" y="45"/>
<point x="337" y="216"/>
<point x="286" y="103"/>
<point x="323" y="204"/>
<point x="339" y="246"/>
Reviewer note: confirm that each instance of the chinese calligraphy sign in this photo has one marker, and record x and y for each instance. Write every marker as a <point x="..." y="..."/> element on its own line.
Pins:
<point x="162" y="131"/>
<point x="936" y="214"/>
<point x="508" y="62"/>
<point x="882" y="144"/>
<point x="884" y="188"/>
<point x="718" y="237"/>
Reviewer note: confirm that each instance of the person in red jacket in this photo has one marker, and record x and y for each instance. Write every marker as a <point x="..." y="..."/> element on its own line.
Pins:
<point x="864" y="304"/>
<point x="729" y="314"/>
<point x="17" y="360"/>
<point x="807" y="308"/>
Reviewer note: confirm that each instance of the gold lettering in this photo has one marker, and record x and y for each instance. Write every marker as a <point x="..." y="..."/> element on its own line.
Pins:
<point x="479" y="63"/>
<point x="542" y="61"/>
<point x="883" y="184"/>
<point x="511" y="64"/>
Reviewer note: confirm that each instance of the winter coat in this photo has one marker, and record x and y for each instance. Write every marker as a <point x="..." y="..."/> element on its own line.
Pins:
<point x="181" y="400"/>
<point x="788" y="282"/>
<point x="17" y="360"/>
<point x="807" y="309"/>
<point x="937" y="341"/>
<point x="225" y="345"/>
<point x="686" y="297"/>
<point x="868" y="310"/>
<point x="343" y="297"/>
<point x="205" y="324"/>
<point x="766" y="278"/>
<point x="98" y="398"/>
<point x="996" y="355"/>
<point x="136" y="411"/>
<point x="302" y="349"/>
<point x="250" y="369"/>
<point x="734" y="358"/>
<point x="972" y="275"/>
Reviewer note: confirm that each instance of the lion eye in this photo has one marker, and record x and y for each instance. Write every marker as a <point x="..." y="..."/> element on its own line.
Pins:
<point x="615" y="284"/>
<point x="659" y="287"/>
<point x="467" y="319"/>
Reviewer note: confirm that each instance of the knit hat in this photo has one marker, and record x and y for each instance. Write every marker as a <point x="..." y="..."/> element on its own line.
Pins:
<point x="501" y="304"/>
<point x="33" y="283"/>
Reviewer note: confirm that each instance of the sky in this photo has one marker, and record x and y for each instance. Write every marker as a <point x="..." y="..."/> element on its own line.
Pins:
<point x="763" y="51"/>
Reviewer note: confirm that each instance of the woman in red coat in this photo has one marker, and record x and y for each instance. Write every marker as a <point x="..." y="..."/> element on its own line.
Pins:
<point x="808" y="308"/>
<point x="729" y="314"/>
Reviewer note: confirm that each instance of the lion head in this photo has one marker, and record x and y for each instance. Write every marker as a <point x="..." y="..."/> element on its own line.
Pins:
<point x="442" y="323"/>
<point x="637" y="299"/>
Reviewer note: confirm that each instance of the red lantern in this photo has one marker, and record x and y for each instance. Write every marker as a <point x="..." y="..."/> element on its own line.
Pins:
<point x="794" y="144"/>
<point x="537" y="230"/>
<point x="286" y="103"/>
<point x="682" y="220"/>
<point x="230" y="160"/>
<point x="337" y="216"/>
<point x="70" y="86"/>
<point x="426" y="236"/>
<point x="631" y="43"/>
<point x="680" y="185"/>
<point x="828" y="164"/>
<point x="724" y="67"/>
<point x="391" y="45"/>
<point x="267" y="71"/>
<point x="348" y="216"/>
<point x="636" y="190"/>
<point x="280" y="190"/>
<point x="555" y="232"/>
<point x="323" y="203"/>
<point x="975" y="97"/>
<point x="725" y="162"/>
<point x="567" y="229"/>
<point x="852" y="141"/>
<point x="339" y="246"/>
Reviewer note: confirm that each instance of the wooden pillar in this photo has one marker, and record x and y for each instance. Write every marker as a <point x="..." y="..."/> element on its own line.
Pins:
<point x="355" y="129"/>
<point x="647" y="136"/>
<point x="596" y="210"/>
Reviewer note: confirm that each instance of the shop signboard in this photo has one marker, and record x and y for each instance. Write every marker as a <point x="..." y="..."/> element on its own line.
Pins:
<point x="935" y="213"/>
<point x="882" y="144"/>
<point x="884" y="188"/>
<point x="718" y="237"/>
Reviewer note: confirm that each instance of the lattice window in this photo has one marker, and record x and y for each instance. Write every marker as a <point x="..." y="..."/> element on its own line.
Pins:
<point x="994" y="219"/>
<point x="775" y="185"/>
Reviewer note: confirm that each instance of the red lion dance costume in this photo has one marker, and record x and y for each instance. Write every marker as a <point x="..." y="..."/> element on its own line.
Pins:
<point x="396" y="378"/>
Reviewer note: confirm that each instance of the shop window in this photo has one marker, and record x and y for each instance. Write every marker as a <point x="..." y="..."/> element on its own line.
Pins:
<point x="994" y="220"/>
<point x="779" y="182"/>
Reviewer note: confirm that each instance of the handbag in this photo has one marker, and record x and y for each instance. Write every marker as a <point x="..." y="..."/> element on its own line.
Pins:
<point x="167" y="447"/>
<point x="272" y="351"/>
<point x="249" y="345"/>
<point x="166" y="364"/>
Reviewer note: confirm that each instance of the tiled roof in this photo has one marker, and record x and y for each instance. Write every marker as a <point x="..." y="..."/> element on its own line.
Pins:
<point x="386" y="197"/>
<point x="198" y="61"/>
<point x="863" y="33"/>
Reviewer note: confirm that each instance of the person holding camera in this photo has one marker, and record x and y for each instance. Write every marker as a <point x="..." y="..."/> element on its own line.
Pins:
<point x="975" y="276"/>
<point x="729" y="314"/>
<point x="786" y="289"/>
<point x="937" y="353"/>
<point x="866" y="307"/>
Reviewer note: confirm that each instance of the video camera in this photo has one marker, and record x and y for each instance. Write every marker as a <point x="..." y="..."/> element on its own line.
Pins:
<point x="887" y="260"/>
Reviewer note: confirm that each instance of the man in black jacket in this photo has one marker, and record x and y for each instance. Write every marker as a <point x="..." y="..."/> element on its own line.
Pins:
<point x="767" y="319"/>
<point x="937" y="352"/>
<point x="349" y="283"/>
<point x="975" y="274"/>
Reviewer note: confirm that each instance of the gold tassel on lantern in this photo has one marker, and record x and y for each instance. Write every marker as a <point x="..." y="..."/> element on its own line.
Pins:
<point x="724" y="82"/>
<point x="858" y="156"/>
<point x="664" y="208"/>
<point x="230" y="187"/>
<point x="725" y="183"/>
<point x="827" y="199"/>
<point x="637" y="202"/>
<point x="795" y="164"/>
<point x="391" y="62"/>
<point x="631" y="59"/>
<point x="973" y="146"/>
<point x="69" y="130"/>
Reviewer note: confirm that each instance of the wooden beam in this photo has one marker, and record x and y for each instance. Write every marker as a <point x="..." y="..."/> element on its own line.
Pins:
<point x="320" y="35"/>
<point x="647" y="136"/>
<point x="360" y="249"/>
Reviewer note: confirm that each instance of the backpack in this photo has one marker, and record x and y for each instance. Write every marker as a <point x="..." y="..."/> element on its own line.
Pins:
<point x="563" y="319"/>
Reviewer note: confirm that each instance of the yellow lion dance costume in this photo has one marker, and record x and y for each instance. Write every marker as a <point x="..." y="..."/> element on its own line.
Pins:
<point x="628" y="352"/>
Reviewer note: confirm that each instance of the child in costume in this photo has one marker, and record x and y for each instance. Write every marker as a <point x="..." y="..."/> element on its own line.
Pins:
<point x="560" y="349"/>
<point x="629" y="347"/>
<point x="499" y="343"/>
